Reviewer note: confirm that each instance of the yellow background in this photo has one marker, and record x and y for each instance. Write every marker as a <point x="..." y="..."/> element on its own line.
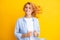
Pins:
<point x="11" y="10"/>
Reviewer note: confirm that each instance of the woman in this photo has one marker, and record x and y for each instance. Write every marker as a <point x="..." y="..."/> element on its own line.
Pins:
<point x="27" y="28"/>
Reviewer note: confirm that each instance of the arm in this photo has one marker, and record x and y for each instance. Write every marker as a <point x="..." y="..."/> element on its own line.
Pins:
<point x="37" y="28"/>
<point x="17" y="29"/>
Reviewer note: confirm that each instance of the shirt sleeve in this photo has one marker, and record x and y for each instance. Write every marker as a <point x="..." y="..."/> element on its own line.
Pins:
<point x="38" y="26"/>
<point x="17" y="30"/>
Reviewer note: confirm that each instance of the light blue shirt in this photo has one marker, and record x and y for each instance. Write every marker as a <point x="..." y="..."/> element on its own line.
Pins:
<point x="22" y="29"/>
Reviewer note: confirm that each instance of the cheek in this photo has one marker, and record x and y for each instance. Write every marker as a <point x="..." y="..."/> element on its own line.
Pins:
<point x="25" y="9"/>
<point x="31" y="10"/>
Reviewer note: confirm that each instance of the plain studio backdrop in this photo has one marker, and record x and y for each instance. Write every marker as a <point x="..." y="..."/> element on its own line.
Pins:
<point x="11" y="10"/>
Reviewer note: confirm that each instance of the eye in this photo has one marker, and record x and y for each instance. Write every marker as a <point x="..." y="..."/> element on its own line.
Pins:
<point x="29" y="7"/>
<point x="26" y="7"/>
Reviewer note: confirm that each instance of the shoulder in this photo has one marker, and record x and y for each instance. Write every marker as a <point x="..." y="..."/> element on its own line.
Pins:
<point x="35" y="18"/>
<point x="20" y="19"/>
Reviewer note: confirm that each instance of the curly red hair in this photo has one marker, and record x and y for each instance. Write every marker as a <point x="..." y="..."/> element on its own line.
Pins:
<point x="35" y="8"/>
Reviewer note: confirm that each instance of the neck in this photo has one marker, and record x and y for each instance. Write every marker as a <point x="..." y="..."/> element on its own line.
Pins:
<point x="28" y="16"/>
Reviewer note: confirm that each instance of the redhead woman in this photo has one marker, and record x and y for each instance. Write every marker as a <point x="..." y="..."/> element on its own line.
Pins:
<point x="27" y="27"/>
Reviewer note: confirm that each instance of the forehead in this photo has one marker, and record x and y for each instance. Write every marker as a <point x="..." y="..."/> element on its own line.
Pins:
<point x="28" y="5"/>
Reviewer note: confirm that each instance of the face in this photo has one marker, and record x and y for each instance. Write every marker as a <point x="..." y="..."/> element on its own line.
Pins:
<point x="28" y="9"/>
